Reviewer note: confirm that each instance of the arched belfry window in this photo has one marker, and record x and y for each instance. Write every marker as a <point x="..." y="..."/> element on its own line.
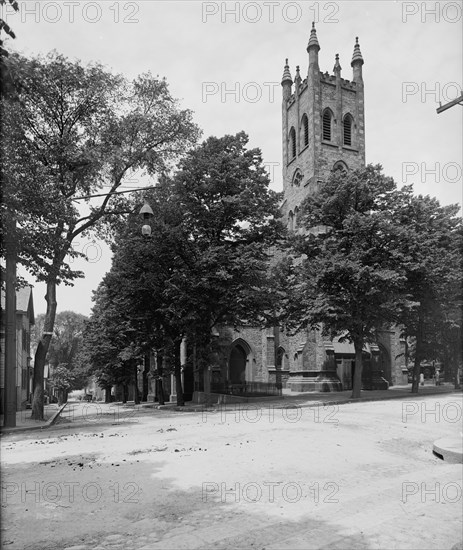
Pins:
<point x="305" y="130"/>
<point x="347" y="126"/>
<point x="327" y="122"/>
<point x="292" y="143"/>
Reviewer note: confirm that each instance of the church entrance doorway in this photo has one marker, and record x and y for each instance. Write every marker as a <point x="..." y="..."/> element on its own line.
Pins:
<point x="237" y="365"/>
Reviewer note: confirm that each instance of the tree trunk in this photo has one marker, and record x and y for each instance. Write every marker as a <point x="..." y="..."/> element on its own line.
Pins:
<point x="417" y="363"/>
<point x="455" y="367"/>
<point x="145" y="382"/>
<point x="159" y="383"/>
<point x="125" y="393"/>
<point x="416" y="371"/>
<point x="160" y="391"/>
<point x="357" y="384"/>
<point x="136" y="395"/>
<point x="457" y="378"/>
<point x="107" y="394"/>
<point x="42" y="350"/>
<point x="178" y="373"/>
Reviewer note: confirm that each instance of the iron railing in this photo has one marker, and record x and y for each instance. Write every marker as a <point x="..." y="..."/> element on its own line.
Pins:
<point x="247" y="389"/>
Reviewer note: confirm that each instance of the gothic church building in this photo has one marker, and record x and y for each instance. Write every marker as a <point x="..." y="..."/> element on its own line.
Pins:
<point x="323" y="127"/>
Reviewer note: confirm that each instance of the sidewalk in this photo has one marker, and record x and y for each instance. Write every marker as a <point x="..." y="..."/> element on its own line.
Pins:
<point x="307" y="399"/>
<point x="24" y="422"/>
<point x="288" y="399"/>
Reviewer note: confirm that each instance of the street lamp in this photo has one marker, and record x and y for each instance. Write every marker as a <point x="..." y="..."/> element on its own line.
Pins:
<point x="147" y="213"/>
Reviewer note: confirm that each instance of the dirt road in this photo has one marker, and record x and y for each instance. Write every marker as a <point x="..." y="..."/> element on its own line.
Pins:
<point x="280" y="477"/>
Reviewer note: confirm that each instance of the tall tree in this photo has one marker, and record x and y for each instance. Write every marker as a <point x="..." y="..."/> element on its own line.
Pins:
<point x="431" y="245"/>
<point x="6" y="83"/>
<point x="207" y="258"/>
<point x="65" y="344"/>
<point x="109" y="348"/>
<point x="76" y="131"/>
<point x="345" y="277"/>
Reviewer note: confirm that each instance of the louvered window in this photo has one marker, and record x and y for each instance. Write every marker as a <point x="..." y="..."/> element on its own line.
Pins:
<point x="305" y="129"/>
<point x="327" y="125"/>
<point x="292" y="142"/>
<point x="347" y="130"/>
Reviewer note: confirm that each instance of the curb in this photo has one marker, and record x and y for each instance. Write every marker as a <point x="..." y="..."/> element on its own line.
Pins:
<point x="285" y="402"/>
<point x="347" y="400"/>
<point x="47" y="424"/>
<point x="449" y="449"/>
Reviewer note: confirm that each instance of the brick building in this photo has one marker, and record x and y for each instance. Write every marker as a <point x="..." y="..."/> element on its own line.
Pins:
<point x="323" y="127"/>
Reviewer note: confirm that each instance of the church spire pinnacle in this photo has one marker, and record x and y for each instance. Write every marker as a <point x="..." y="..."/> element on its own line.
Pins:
<point x="357" y="57"/>
<point x="286" y="78"/>
<point x="313" y="40"/>
<point x="337" y="67"/>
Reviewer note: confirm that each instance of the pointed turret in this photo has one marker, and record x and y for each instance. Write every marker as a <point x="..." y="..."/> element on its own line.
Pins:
<point x="337" y="67"/>
<point x="286" y="78"/>
<point x="313" y="40"/>
<point x="297" y="78"/>
<point x="286" y="82"/>
<point x="313" y="48"/>
<point x="357" y="61"/>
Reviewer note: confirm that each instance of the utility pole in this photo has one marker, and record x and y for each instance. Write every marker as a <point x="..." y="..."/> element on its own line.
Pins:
<point x="457" y="101"/>
<point x="9" y="419"/>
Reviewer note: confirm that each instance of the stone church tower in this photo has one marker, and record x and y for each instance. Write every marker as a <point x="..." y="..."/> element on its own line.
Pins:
<point x="323" y="127"/>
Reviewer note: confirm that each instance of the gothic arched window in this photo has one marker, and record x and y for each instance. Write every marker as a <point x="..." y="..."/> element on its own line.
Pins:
<point x="305" y="129"/>
<point x="281" y="359"/>
<point x="327" y="118"/>
<point x="347" y="130"/>
<point x="292" y="143"/>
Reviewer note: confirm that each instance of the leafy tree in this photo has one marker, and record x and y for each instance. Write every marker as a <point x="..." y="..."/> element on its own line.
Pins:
<point x="62" y="381"/>
<point x="6" y="84"/>
<point x="345" y="275"/>
<point x="108" y="347"/>
<point x="207" y="258"/>
<point x="431" y="246"/>
<point x="65" y="343"/>
<point x="74" y="132"/>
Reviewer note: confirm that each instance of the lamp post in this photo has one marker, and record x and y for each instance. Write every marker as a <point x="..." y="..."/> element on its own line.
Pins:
<point x="147" y="212"/>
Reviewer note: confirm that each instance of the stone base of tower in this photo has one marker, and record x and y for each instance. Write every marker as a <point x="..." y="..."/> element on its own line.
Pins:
<point x="318" y="381"/>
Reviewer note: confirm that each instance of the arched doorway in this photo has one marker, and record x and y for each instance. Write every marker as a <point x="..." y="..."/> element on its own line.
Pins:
<point x="237" y="365"/>
<point x="385" y="363"/>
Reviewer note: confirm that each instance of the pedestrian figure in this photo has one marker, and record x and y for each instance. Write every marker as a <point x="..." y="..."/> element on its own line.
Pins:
<point x="437" y="377"/>
<point x="421" y="379"/>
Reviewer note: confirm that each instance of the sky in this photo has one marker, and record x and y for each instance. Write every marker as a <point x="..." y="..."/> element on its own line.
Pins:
<point x="224" y="61"/>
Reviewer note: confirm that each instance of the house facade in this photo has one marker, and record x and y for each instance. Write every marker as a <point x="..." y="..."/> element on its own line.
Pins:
<point x="25" y="319"/>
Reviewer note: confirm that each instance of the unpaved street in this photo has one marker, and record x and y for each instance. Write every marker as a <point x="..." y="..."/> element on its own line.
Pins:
<point x="279" y="477"/>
